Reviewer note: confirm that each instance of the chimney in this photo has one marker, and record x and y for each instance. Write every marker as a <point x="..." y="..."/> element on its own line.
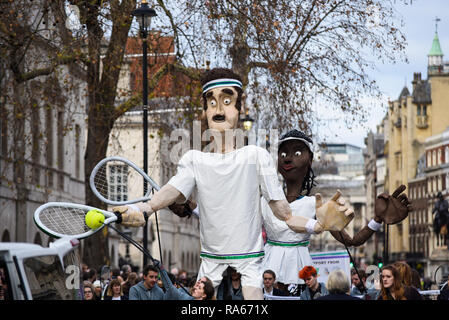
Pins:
<point x="416" y="79"/>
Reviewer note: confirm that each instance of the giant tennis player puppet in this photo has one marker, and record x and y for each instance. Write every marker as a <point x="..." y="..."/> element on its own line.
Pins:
<point x="229" y="184"/>
<point x="286" y="252"/>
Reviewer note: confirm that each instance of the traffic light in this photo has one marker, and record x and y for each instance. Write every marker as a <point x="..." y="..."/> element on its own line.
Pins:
<point x="351" y="264"/>
<point x="380" y="265"/>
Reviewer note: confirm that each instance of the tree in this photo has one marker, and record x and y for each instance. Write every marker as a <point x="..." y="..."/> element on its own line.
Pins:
<point x="293" y="55"/>
<point x="34" y="64"/>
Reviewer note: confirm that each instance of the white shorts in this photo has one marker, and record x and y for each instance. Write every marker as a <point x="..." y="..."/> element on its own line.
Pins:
<point x="250" y="269"/>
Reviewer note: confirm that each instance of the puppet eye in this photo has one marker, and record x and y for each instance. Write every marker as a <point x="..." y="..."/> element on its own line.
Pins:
<point x="297" y="153"/>
<point x="283" y="155"/>
<point x="213" y="103"/>
<point x="226" y="100"/>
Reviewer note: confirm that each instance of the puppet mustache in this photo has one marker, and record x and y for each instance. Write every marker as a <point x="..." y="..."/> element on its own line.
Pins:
<point x="219" y="118"/>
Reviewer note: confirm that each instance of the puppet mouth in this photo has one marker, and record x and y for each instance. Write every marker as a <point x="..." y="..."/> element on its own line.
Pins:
<point x="219" y="118"/>
<point x="287" y="167"/>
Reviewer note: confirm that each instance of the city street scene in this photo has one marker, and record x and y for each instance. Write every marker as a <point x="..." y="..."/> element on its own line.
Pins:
<point x="224" y="150"/>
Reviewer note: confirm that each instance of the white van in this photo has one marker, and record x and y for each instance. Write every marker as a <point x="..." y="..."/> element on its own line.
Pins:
<point x="32" y="272"/>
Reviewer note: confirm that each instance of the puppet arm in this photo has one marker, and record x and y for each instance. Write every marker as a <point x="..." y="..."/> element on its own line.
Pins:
<point x="282" y="211"/>
<point x="360" y="238"/>
<point x="133" y="215"/>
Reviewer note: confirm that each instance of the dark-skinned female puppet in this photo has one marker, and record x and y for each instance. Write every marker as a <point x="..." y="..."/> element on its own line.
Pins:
<point x="287" y="252"/>
<point x="229" y="184"/>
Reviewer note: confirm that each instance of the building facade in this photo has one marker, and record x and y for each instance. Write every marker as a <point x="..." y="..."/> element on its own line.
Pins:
<point x="413" y="119"/>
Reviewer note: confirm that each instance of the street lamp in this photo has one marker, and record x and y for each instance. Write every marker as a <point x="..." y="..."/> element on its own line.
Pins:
<point x="247" y="122"/>
<point x="143" y="15"/>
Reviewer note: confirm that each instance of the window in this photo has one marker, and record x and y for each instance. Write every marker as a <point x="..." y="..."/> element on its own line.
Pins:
<point x="47" y="279"/>
<point x="118" y="182"/>
<point x="447" y="181"/>
<point x="439" y="156"/>
<point x="49" y="145"/>
<point x="434" y="158"/>
<point x="60" y="156"/>
<point x="418" y="110"/>
<point x="446" y="154"/>
<point x="429" y="160"/>
<point x="35" y="143"/>
<point x="424" y="110"/>
<point x="77" y="151"/>
<point x="439" y="183"/>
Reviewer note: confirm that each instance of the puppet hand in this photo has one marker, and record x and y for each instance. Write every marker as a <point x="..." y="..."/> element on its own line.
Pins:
<point x="335" y="214"/>
<point x="392" y="209"/>
<point x="131" y="216"/>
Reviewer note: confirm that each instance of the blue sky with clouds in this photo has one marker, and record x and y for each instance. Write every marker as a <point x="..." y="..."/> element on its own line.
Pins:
<point x="419" y="29"/>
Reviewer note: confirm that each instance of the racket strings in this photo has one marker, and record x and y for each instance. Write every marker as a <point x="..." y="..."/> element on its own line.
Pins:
<point x="63" y="220"/>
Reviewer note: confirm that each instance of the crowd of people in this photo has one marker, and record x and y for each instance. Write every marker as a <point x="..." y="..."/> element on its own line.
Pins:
<point x="397" y="281"/>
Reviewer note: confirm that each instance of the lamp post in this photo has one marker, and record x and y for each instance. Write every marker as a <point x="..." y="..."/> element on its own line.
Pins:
<point x="247" y="125"/>
<point x="143" y="15"/>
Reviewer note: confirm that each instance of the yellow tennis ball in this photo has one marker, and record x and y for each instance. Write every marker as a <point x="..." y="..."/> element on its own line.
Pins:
<point x="94" y="219"/>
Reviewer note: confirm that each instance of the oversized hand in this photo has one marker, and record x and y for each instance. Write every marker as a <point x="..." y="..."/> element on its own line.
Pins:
<point x="335" y="214"/>
<point x="130" y="217"/>
<point x="392" y="209"/>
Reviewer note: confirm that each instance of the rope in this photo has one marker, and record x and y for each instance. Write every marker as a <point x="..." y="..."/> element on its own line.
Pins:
<point x="353" y="263"/>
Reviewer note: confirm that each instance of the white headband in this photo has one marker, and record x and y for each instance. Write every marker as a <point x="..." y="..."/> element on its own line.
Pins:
<point x="221" y="83"/>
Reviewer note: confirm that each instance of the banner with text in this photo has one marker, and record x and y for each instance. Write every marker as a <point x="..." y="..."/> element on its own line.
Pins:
<point x="326" y="262"/>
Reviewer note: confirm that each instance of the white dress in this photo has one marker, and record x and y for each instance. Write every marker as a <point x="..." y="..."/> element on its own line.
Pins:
<point x="286" y="252"/>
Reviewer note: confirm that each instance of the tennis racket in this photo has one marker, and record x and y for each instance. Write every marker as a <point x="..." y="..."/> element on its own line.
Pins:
<point x="110" y="178"/>
<point x="62" y="219"/>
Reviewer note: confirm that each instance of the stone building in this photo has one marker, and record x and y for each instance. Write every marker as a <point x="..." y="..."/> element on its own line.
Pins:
<point x="413" y="119"/>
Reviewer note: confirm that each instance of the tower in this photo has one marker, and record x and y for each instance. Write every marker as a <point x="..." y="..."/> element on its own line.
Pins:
<point x="435" y="56"/>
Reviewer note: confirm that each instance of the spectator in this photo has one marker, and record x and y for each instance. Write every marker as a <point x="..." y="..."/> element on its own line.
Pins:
<point x="314" y="289"/>
<point x="392" y="287"/>
<point x="147" y="288"/>
<point x="269" y="277"/>
<point x="231" y="286"/>
<point x="202" y="290"/>
<point x="115" y="274"/>
<point x="405" y="271"/>
<point x="360" y="286"/>
<point x="182" y="277"/>
<point x="115" y="291"/>
<point x="175" y="272"/>
<point x="92" y="275"/>
<point x="97" y="290"/>
<point x="125" y="271"/>
<point x="88" y="291"/>
<point x="130" y="281"/>
<point x="406" y="277"/>
<point x="338" y="287"/>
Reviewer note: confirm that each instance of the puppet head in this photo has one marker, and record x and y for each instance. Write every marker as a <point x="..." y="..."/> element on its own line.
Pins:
<point x="222" y="98"/>
<point x="295" y="157"/>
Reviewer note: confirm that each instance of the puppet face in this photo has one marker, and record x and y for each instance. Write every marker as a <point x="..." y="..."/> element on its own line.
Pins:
<point x="387" y="278"/>
<point x="221" y="112"/>
<point x="294" y="159"/>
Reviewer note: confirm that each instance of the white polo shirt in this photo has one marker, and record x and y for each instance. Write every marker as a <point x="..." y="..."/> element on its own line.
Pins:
<point x="229" y="187"/>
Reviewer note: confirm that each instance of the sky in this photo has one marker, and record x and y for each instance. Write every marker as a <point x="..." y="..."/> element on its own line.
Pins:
<point x="419" y="30"/>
